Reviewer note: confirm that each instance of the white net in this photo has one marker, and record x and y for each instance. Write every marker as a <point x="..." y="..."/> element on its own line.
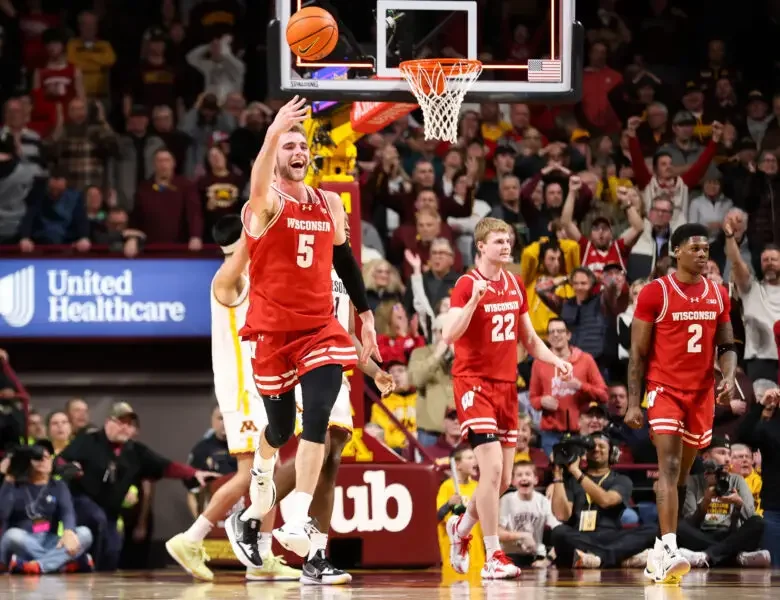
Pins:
<point x="440" y="85"/>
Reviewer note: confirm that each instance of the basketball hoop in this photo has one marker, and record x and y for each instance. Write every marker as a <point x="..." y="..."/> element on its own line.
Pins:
<point x="440" y="85"/>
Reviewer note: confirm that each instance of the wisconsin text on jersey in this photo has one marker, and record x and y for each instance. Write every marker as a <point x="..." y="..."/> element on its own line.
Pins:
<point x="299" y="225"/>
<point x="695" y="315"/>
<point x="502" y="306"/>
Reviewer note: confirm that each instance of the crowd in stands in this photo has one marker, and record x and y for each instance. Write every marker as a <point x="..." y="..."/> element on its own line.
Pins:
<point x="124" y="132"/>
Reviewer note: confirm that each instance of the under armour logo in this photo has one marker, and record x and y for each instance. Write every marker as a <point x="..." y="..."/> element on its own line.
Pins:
<point x="307" y="207"/>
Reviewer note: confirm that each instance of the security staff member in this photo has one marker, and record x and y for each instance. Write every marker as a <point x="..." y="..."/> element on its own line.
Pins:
<point x="110" y="463"/>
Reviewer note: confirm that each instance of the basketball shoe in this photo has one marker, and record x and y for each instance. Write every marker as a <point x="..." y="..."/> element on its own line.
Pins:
<point x="667" y="566"/>
<point x="244" y="539"/>
<point x="191" y="556"/>
<point x="499" y="566"/>
<point x="318" y="570"/>
<point x="295" y="537"/>
<point x="459" y="546"/>
<point x="274" y="568"/>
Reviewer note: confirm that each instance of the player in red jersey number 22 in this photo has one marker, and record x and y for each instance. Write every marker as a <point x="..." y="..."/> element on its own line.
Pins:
<point x="295" y="236"/>
<point x="487" y="319"/>
<point x="679" y="321"/>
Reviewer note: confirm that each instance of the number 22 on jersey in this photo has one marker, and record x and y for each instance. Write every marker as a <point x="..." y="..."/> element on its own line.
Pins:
<point x="503" y="327"/>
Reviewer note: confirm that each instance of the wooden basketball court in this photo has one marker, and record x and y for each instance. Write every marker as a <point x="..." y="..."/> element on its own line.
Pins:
<point x="397" y="585"/>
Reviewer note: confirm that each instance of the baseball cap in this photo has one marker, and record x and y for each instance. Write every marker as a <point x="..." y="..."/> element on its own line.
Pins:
<point x="122" y="410"/>
<point x="504" y="150"/>
<point x="451" y="413"/>
<point x="756" y="95"/>
<point x="719" y="441"/>
<point x="692" y="86"/>
<point x="579" y="135"/>
<point x="613" y="267"/>
<point x="684" y="117"/>
<point x="597" y="407"/>
<point x="601" y="220"/>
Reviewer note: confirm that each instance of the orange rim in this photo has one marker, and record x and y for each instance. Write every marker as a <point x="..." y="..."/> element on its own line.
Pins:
<point x="447" y="65"/>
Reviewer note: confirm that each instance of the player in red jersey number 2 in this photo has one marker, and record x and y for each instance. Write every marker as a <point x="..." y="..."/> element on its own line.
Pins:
<point x="295" y="236"/>
<point x="487" y="319"/>
<point x="679" y="321"/>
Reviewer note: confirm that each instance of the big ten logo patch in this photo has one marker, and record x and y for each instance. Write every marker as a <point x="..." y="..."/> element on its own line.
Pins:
<point x="372" y="505"/>
<point x="248" y="426"/>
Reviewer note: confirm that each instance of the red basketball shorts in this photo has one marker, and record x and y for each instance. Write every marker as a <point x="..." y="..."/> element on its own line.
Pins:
<point x="685" y="413"/>
<point x="487" y="406"/>
<point x="280" y="358"/>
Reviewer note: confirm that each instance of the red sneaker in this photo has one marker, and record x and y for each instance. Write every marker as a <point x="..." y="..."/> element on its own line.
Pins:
<point x="499" y="566"/>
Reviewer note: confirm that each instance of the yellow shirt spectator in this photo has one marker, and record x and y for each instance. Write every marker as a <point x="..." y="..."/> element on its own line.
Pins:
<point x="477" y="547"/>
<point x="95" y="60"/>
<point x="755" y="482"/>
<point x="495" y="131"/>
<point x="404" y="408"/>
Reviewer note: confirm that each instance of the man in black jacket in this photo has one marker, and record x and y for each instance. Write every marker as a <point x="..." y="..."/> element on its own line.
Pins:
<point x="110" y="463"/>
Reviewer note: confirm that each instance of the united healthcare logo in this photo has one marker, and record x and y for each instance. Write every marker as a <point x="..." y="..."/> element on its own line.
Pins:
<point x="17" y="297"/>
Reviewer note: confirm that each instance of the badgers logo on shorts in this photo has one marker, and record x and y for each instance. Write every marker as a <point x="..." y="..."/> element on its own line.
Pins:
<point x="248" y="426"/>
<point x="467" y="400"/>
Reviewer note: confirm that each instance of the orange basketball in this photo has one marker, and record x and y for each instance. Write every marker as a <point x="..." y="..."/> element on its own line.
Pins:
<point x="312" y="33"/>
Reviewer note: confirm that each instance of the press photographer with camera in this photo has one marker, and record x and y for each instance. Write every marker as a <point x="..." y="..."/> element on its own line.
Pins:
<point x="32" y="506"/>
<point x="719" y="524"/>
<point x="590" y="505"/>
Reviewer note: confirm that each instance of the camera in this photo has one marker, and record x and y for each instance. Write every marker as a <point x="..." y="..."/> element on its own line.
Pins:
<point x="571" y="448"/>
<point x="19" y="466"/>
<point x="722" y="485"/>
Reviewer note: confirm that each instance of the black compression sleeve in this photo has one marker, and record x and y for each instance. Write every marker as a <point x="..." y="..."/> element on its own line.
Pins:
<point x="349" y="272"/>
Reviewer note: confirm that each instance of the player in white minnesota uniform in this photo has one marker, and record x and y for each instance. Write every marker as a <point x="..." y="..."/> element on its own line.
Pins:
<point x="242" y="410"/>
<point x="317" y="569"/>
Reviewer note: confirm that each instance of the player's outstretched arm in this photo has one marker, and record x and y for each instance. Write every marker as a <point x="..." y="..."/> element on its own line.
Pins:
<point x="229" y="282"/>
<point x="348" y="270"/>
<point x="261" y="200"/>
<point x="538" y="349"/>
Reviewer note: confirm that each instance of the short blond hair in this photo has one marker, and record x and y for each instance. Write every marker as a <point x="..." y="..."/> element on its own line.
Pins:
<point x="489" y="225"/>
<point x="298" y="128"/>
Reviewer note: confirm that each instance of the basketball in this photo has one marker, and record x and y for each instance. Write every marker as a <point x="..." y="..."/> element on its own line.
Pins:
<point x="312" y="33"/>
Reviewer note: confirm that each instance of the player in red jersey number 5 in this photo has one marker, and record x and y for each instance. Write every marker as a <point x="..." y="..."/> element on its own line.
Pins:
<point x="679" y="322"/>
<point x="487" y="319"/>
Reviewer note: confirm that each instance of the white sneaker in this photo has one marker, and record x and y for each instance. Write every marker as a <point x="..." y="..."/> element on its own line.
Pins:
<point x="585" y="560"/>
<point x="652" y="564"/>
<point x="294" y="537"/>
<point x="757" y="560"/>
<point x="499" y="566"/>
<point x="459" y="546"/>
<point x="671" y="567"/>
<point x="264" y="495"/>
<point x="698" y="560"/>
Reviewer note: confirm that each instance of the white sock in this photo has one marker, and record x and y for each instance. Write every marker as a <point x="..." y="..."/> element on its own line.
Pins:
<point x="670" y="540"/>
<point x="319" y="541"/>
<point x="466" y="524"/>
<point x="491" y="545"/>
<point x="299" y="507"/>
<point x="253" y="510"/>
<point x="659" y="545"/>
<point x="199" y="529"/>
<point x="264" y="465"/>
<point x="264" y="544"/>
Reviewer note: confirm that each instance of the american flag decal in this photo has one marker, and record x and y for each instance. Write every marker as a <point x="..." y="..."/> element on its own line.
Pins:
<point x="541" y="71"/>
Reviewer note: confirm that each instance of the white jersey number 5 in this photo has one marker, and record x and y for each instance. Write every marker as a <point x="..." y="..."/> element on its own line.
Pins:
<point x="305" y="250"/>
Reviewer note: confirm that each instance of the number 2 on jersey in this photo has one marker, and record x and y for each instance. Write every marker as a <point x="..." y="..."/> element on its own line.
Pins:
<point x="694" y="342"/>
<point x="305" y="257"/>
<point x="503" y="327"/>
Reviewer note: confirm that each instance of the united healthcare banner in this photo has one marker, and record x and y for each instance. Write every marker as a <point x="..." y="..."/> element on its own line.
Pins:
<point x="111" y="298"/>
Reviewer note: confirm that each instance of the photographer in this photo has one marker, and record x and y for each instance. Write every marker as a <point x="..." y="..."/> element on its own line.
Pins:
<point x="591" y="504"/>
<point x="761" y="430"/>
<point x="110" y="462"/>
<point x="719" y="524"/>
<point x="32" y="506"/>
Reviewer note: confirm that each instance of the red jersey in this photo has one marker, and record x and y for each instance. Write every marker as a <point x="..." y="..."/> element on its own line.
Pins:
<point x="595" y="259"/>
<point x="686" y="317"/>
<point x="290" y="286"/>
<point x="58" y="84"/>
<point x="488" y="347"/>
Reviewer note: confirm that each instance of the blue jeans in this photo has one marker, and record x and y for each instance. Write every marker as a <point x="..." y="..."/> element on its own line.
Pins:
<point x="772" y="535"/>
<point x="629" y="517"/>
<point x="648" y="512"/>
<point x="549" y="439"/>
<point x="108" y="540"/>
<point x="41" y="547"/>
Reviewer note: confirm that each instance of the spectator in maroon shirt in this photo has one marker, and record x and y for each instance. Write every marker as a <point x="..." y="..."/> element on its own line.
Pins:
<point x="418" y="238"/>
<point x="167" y="209"/>
<point x="156" y="82"/>
<point x="448" y="441"/>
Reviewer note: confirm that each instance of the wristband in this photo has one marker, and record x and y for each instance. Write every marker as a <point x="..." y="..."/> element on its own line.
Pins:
<point x="581" y="477"/>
